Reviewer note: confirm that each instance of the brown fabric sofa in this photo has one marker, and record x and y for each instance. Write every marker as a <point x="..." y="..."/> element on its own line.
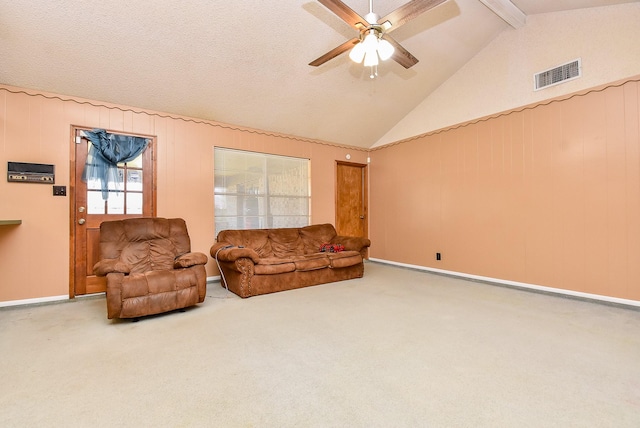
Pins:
<point x="260" y="261"/>
<point x="149" y="267"/>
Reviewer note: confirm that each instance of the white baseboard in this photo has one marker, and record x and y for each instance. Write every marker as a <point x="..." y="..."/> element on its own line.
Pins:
<point x="34" y="301"/>
<point x="514" y="283"/>
<point x="50" y="299"/>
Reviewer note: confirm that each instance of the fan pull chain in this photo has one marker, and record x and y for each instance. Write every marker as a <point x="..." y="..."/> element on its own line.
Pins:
<point x="374" y="72"/>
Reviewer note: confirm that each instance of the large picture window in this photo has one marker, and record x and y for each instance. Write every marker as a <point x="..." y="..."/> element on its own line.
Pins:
<point x="260" y="191"/>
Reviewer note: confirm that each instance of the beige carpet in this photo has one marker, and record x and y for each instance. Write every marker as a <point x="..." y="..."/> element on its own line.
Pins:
<point x="398" y="348"/>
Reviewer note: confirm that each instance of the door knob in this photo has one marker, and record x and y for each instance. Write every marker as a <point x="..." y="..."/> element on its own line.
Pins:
<point x="81" y="221"/>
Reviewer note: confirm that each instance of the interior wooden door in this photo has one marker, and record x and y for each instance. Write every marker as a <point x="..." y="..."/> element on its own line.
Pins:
<point x="351" y="199"/>
<point x="89" y="210"/>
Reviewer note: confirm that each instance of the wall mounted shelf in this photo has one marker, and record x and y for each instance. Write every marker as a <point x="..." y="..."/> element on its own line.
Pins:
<point x="10" y="222"/>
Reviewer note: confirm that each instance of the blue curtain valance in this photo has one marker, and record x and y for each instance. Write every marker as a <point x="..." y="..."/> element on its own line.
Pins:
<point x="105" y="152"/>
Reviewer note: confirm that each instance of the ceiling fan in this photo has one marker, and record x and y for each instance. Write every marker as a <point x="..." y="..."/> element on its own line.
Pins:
<point x="374" y="41"/>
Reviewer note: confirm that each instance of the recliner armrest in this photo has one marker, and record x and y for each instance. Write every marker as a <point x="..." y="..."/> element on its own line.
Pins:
<point x="190" y="259"/>
<point x="105" y="266"/>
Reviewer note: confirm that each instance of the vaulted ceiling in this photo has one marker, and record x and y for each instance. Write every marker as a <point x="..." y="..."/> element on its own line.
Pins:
<point x="246" y="62"/>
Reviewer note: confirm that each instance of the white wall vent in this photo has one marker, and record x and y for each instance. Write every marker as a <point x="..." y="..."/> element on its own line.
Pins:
<point x="553" y="76"/>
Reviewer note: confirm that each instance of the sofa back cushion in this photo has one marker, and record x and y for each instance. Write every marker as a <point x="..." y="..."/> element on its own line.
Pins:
<point x="256" y="239"/>
<point x="286" y="242"/>
<point x="281" y="242"/>
<point x="315" y="235"/>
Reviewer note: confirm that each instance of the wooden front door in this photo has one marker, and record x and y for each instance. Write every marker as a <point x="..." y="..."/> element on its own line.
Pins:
<point x="135" y="199"/>
<point x="351" y="199"/>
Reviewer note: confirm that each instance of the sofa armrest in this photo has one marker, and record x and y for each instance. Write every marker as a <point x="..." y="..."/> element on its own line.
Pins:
<point x="226" y="252"/>
<point x="105" y="266"/>
<point x="218" y="246"/>
<point x="352" y="243"/>
<point x="190" y="259"/>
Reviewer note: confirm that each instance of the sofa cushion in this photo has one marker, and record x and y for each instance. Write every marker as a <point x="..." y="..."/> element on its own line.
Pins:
<point x="256" y="239"/>
<point x="274" y="260"/>
<point x="315" y="235"/>
<point x="344" y="259"/>
<point x="273" y="266"/>
<point x="311" y="262"/>
<point x="286" y="242"/>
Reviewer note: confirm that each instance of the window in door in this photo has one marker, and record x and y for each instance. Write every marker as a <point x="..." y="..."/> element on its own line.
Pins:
<point x="125" y="196"/>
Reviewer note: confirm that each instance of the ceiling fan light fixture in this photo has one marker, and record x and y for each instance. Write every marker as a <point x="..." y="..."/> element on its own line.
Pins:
<point x="370" y="41"/>
<point x="385" y="49"/>
<point x="371" y="59"/>
<point x="370" y="44"/>
<point x="357" y="53"/>
<point x="372" y="29"/>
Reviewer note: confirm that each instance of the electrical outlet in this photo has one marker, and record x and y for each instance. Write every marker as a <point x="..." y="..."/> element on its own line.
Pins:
<point x="59" y="190"/>
<point x="438" y="256"/>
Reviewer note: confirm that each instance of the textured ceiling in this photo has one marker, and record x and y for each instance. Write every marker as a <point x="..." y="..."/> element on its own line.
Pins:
<point x="244" y="62"/>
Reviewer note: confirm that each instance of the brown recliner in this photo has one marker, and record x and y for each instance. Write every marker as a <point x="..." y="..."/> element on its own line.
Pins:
<point x="149" y="267"/>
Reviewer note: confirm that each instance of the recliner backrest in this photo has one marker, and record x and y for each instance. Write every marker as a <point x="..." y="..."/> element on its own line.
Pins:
<point x="144" y="243"/>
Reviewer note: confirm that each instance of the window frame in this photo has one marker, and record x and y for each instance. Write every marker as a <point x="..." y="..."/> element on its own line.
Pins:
<point x="257" y="191"/>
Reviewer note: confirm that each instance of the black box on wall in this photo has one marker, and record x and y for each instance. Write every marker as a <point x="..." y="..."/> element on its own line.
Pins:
<point x="21" y="172"/>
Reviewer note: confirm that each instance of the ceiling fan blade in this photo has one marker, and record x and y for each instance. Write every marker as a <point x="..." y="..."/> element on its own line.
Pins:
<point x="345" y="13"/>
<point x="400" y="54"/>
<point x="407" y="12"/>
<point x="335" y="52"/>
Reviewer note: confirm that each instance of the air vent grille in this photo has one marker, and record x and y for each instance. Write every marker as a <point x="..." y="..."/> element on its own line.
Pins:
<point x="553" y="76"/>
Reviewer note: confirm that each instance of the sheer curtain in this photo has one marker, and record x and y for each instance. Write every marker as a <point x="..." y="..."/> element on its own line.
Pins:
<point x="259" y="190"/>
<point x="105" y="152"/>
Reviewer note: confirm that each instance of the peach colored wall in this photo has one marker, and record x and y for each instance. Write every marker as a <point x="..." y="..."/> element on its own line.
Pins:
<point x="548" y="195"/>
<point x="35" y="127"/>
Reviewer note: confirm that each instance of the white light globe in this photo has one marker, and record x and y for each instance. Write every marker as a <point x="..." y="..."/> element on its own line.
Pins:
<point x="357" y="53"/>
<point x="370" y="42"/>
<point x="385" y="49"/>
<point x="371" y="59"/>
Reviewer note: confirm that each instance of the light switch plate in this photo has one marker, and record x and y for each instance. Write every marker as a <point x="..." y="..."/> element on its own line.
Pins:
<point x="59" y="190"/>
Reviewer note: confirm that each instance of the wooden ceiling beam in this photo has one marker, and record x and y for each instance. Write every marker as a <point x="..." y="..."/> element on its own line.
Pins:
<point x="507" y="11"/>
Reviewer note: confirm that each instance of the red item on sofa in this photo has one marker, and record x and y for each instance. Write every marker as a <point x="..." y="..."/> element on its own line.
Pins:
<point x="331" y="248"/>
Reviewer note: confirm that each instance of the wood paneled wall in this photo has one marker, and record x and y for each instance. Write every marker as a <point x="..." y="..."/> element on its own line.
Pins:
<point x="548" y="195"/>
<point x="35" y="127"/>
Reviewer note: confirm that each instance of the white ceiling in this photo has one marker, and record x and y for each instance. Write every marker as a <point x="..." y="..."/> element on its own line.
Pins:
<point x="244" y="62"/>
